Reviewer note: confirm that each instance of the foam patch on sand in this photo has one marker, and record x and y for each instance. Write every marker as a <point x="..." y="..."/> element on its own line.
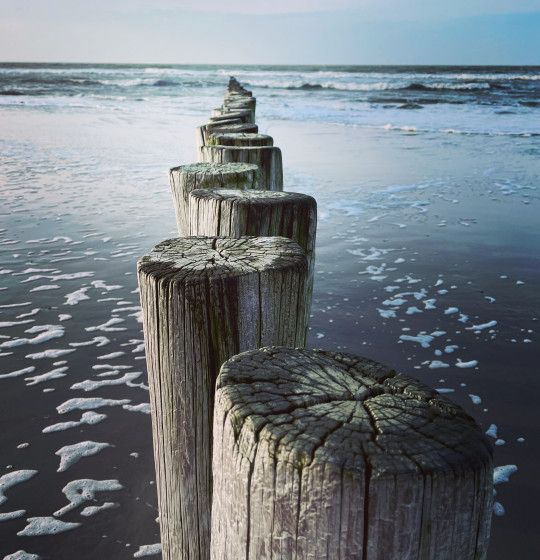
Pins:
<point x="84" y="490"/>
<point x="89" y="404"/>
<point x="77" y="296"/>
<point x="108" y="326"/>
<point x="46" y="333"/>
<point x="503" y="473"/>
<point x="18" y="372"/>
<point x="148" y="550"/>
<point x="52" y="353"/>
<point x="48" y="376"/>
<point x="89" y="418"/>
<point x="97" y="340"/>
<point x="90" y="385"/>
<point x="12" y="515"/>
<point x="71" y="454"/>
<point x="22" y="555"/>
<point x="11" y="479"/>
<point x="90" y="511"/>
<point x="39" y="526"/>
<point x="143" y="407"/>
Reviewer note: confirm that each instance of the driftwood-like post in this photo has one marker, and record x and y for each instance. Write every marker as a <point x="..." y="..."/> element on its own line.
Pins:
<point x="241" y="139"/>
<point x="246" y="103"/>
<point x="238" y="116"/>
<point x="205" y="299"/>
<point x="235" y="213"/>
<point x="186" y="178"/>
<point x="268" y="158"/>
<point x="245" y="113"/>
<point x="326" y="456"/>
<point x="206" y="130"/>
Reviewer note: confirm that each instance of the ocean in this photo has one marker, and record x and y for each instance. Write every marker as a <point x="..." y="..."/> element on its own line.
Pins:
<point x="427" y="183"/>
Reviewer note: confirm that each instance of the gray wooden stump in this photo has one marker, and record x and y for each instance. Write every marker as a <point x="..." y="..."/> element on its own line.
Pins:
<point x="240" y="139"/>
<point x="268" y="158"/>
<point x="327" y="456"/>
<point x="238" y="116"/>
<point x="246" y="103"/>
<point x="206" y="130"/>
<point x="235" y="213"/>
<point x="186" y="178"/>
<point x="244" y="113"/>
<point x="205" y="299"/>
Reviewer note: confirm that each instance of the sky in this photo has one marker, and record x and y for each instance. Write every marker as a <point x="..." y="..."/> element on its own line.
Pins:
<point x="501" y="32"/>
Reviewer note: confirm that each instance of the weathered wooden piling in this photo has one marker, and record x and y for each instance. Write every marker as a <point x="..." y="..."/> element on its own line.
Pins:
<point x="240" y="139"/>
<point x="245" y="103"/>
<point x="238" y="116"/>
<point x="328" y="456"/>
<point x="268" y="158"/>
<point x="206" y="130"/>
<point x="186" y="178"/>
<point x="245" y="113"/>
<point x="235" y="213"/>
<point x="205" y="299"/>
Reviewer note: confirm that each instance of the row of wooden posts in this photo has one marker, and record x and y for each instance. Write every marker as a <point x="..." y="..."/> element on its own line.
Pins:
<point x="265" y="450"/>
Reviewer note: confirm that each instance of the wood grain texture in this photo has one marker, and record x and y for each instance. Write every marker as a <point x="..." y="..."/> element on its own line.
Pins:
<point x="235" y="213"/>
<point x="186" y="178"/>
<point x="268" y="158"/>
<point x="244" y="112"/>
<point x="328" y="456"/>
<point x="206" y="130"/>
<point x="239" y="116"/>
<point x="241" y="139"/>
<point x="204" y="300"/>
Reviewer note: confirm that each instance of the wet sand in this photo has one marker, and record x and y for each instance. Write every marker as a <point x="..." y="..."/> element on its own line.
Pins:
<point x="423" y="240"/>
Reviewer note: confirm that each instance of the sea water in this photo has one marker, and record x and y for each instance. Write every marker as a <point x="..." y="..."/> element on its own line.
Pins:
<point x="427" y="183"/>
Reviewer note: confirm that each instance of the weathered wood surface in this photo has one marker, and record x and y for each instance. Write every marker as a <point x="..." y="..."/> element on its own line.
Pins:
<point x="235" y="213"/>
<point x="245" y="113"/>
<point x="326" y="456"/>
<point x="245" y="102"/>
<point x="204" y="300"/>
<point x="186" y="178"/>
<point x="206" y="130"/>
<point x="238" y="116"/>
<point x="235" y="87"/>
<point x="268" y="158"/>
<point x="240" y="139"/>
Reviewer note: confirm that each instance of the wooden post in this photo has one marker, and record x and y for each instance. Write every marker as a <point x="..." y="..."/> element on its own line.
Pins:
<point x="238" y="116"/>
<point x="268" y="158"/>
<point x="235" y="213"/>
<point x="206" y="130"/>
<point x="245" y="113"/>
<point x="327" y="456"/>
<point x="186" y="178"/>
<point x="205" y="299"/>
<point x="240" y="139"/>
<point x="246" y="103"/>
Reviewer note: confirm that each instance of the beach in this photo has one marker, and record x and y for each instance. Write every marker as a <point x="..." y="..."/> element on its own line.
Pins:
<point x="427" y="260"/>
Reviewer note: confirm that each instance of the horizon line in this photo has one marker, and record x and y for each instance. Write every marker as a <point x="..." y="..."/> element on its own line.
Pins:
<point x="470" y="65"/>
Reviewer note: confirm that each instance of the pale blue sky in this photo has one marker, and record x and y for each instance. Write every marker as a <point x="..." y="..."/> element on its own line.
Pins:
<point x="272" y="31"/>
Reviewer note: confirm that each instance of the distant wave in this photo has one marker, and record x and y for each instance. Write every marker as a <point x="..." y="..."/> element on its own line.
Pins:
<point x="419" y="100"/>
<point x="164" y="83"/>
<point x="441" y="86"/>
<point x="309" y="86"/>
<point x="39" y="80"/>
<point x="380" y="86"/>
<point x="12" y="92"/>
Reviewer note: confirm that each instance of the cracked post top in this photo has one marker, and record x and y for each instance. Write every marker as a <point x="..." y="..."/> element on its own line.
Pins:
<point x="323" y="407"/>
<point x="186" y="259"/>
